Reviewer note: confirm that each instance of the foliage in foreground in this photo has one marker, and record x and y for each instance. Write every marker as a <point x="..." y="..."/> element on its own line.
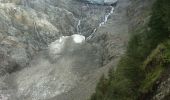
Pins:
<point x="146" y="58"/>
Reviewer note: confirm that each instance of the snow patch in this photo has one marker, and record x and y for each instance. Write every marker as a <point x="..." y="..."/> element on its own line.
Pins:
<point x="78" y="38"/>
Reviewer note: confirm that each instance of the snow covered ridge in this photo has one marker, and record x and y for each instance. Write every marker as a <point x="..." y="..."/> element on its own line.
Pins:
<point x="102" y="2"/>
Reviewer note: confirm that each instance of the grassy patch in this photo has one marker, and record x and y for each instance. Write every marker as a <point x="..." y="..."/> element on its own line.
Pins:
<point x="150" y="79"/>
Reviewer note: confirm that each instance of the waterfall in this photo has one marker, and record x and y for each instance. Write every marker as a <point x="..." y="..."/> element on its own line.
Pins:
<point x="78" y="27"/>
<point x="106" y="17"/>
<point x="104" y="21"/>
<point x="92" y="34"/>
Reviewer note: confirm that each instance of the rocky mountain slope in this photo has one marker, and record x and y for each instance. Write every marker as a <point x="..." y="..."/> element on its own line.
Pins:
<point x="29" y="26"/>
<point x="59" y="49"/>
<point x="41" y="59"/>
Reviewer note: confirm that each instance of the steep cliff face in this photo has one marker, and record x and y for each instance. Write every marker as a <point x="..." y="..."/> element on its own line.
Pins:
<point x="139" y="13"/>
<point x="143" y="71"/>
<point x="155" y="85"/>
<point x="58" y="49"/>
<point x="28" y="26"/>
<point x="40" y="58"/>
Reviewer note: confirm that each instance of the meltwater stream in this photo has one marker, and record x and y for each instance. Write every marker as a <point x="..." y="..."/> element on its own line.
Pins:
<point x="78" y="27"/>
<point x="107" y="16"/>
<point x="104" y="21"/>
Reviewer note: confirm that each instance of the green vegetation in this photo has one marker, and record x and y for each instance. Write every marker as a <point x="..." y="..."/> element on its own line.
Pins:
<point x="146" y="59"/>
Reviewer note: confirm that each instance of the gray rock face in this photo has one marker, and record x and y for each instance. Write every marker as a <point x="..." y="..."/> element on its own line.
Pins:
<point x="163" y="90"/>
<point x="28" y="26"/>
<point x="29" y="70"/>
